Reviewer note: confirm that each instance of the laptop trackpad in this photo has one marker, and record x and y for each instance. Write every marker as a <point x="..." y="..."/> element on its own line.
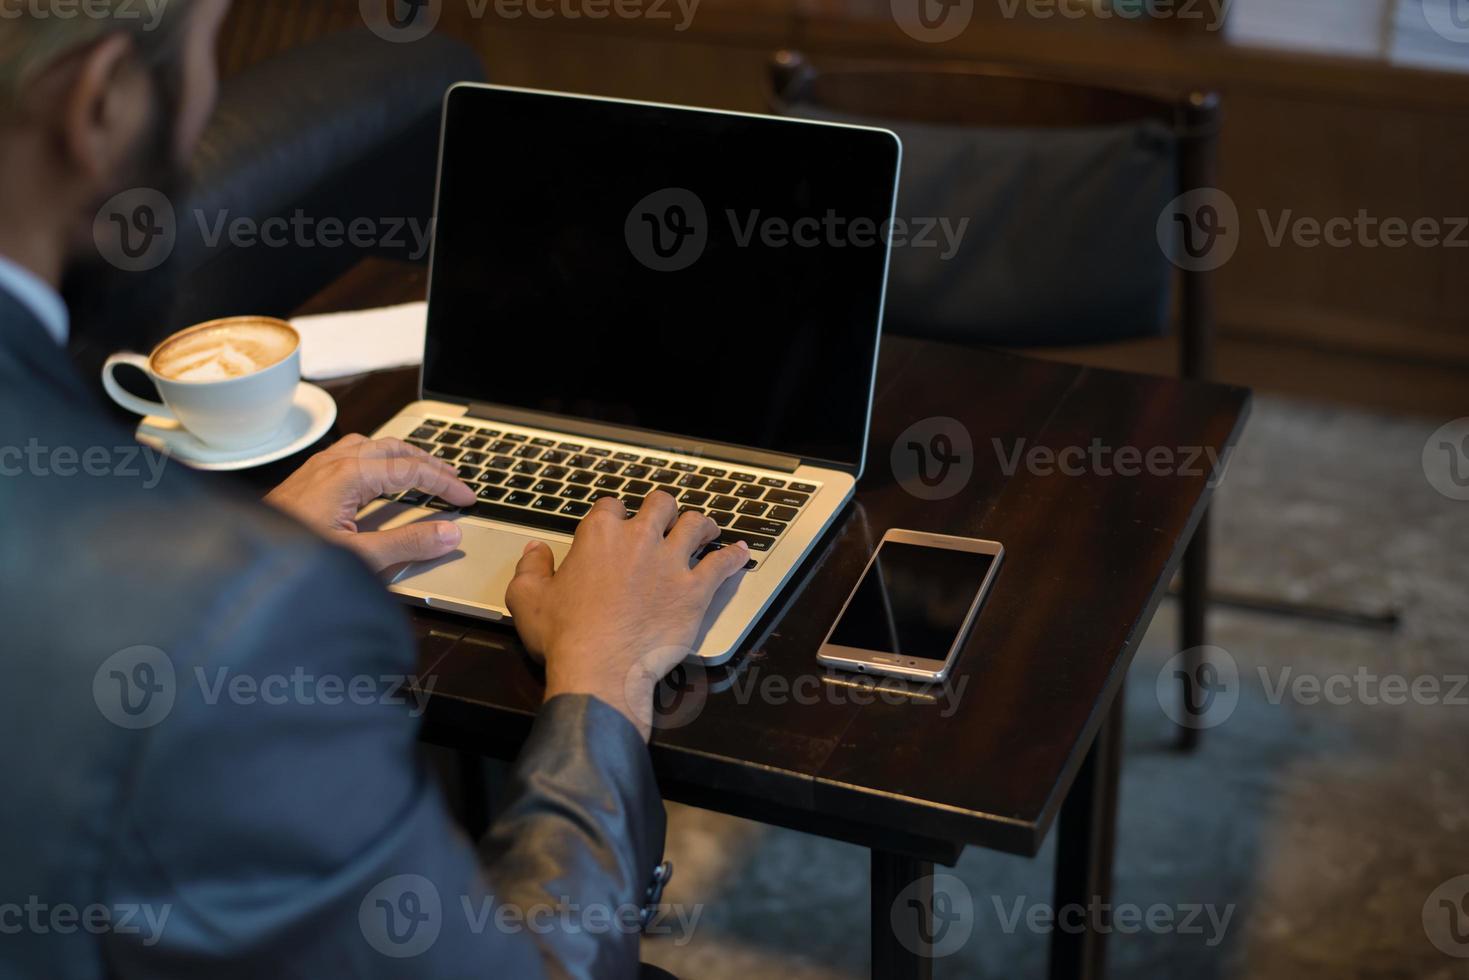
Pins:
<point x="480" y="571"/>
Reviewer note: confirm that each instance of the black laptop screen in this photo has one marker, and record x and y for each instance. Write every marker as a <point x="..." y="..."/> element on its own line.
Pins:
<point x="709" y="276"/>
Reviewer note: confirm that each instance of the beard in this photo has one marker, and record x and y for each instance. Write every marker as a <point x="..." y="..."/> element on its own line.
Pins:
<point x="111" y="307"/>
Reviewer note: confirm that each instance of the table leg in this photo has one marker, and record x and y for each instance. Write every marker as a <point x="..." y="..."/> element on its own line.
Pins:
<point x="1085" y="835"/>
<point x="1193" y="611"/>
<point x="897" y="939"/>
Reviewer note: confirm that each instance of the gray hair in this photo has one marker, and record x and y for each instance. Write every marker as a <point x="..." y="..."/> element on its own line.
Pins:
<point x="33" y="39"/>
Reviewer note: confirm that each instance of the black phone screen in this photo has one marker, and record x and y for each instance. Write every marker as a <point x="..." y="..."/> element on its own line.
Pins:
<point x="912" y="601"/>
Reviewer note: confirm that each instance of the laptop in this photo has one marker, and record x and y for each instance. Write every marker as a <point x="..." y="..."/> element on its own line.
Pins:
<point x="627" y="297"/>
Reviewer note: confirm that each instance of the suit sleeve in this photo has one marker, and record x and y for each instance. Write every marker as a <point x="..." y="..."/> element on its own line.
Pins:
<point x="280" y="820"/>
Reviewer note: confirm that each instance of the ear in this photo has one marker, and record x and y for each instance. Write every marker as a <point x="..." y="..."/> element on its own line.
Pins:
<point x="105" y="108"/>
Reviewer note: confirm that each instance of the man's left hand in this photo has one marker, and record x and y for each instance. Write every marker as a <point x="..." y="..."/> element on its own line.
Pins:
<point x="327" y="492"/>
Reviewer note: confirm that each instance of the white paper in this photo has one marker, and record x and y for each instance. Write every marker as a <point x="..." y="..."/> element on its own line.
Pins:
<point x="337" y="345"/>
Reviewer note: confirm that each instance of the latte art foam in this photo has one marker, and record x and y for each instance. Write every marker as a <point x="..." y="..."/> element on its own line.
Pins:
<point x="220" y="353"/>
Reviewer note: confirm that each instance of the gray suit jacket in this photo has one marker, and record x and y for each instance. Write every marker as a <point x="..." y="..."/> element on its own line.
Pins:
<point x="211" y="768"/>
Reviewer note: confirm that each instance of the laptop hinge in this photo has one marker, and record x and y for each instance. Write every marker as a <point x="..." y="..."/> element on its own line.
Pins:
<point x="682" y="445"/>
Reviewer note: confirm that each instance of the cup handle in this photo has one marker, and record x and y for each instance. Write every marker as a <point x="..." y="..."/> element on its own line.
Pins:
<point x="128" y="401"/>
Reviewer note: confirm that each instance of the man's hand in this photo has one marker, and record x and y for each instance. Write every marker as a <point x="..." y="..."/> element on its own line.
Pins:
<point x="326" y="493"/>
<point x="624" y="608"/>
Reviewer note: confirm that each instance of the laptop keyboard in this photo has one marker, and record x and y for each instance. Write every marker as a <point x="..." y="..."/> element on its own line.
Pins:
<point x="550" y="484"/>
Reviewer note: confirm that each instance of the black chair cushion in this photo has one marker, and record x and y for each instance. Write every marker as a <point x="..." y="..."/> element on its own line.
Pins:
<point x="1060" y="245"/>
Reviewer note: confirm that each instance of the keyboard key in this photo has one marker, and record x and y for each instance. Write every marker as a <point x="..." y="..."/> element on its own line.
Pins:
<point x="424" y="432"/>
<point x="527" y="467"/>
<point x="521" y="498"/>
<point x="571" y="447"/>
<point x="723" y="502"/>
<point x="742" y="477"/>
<point x="435" y="423"/>
<point x="520" y="483"/>
<point x="516" y="437"/>
<point x="599" y="494"/>
<point x="786" y="514"/>
<point x="713" y="471"/>
<point x="553" y="504"/>
<point x="449" y="438"/>
<point x="447" y="452"/>
<point x="492" y="493"/>
<point x="599" y="453"/>
<point x="636" y="472"/>
<point x="655" y="461"/>
<point x="721" y="486"/>
<point x="626" y="457"/>
<point x="749" y="491"/>
<point x="632" y="502"/>
<point x="697" y="498"/>
<point x="490" y="433"/>
<point x="553" y="456"/>
<point x="461" y="427"/>
<point x="721" y="517"/>
<point x="757" y="542"/>
<point x="502" y="446"/>
<point x="437" y="504"/>
<point x="581" y="461"/>
<point x="467" y="472"/>
<point x="787" y="498"/>
<point x="473" y="459"/>
<point x="492" y="477"/>
<point x="582" y="477"/>
<point x="804" y="487"/>
<point x="576" y="493"/>
<point x="414" y="498"/>
<point x="475" y="442"/>
<point x="685" y="467"/>
<point x="501" y="463"/>
<point x="548" y="487"/>
<point x="693" y="481"/>
<point x="544" y="443"/>
<point x="610" y="483"/>
<point x="525" y="518"/>
<point x="665" y="476"/>
<point x="770" y="481"/>
<point x="753" y="508"/>
<point x="427" y="447"/>
<point x="527" y="452"/>
<point x="608" y="466"/>
<point x="577" y="509"/>
<point x="640" y="488"/>
<point x="760" y="525"/>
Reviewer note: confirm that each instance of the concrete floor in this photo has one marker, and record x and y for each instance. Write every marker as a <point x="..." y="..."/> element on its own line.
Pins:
<point x="1321" y="830"/>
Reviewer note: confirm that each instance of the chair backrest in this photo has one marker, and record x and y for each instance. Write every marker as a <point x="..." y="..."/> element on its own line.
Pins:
<point x="1063" y="184"/>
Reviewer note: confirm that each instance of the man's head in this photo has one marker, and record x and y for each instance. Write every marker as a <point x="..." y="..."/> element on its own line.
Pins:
<point x="95" y="98"/>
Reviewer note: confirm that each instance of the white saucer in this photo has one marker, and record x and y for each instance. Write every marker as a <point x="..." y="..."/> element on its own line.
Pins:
<point x="311" y="417"/>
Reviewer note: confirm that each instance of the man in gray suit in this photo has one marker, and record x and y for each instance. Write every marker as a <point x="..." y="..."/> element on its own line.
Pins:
<point x="211" y="764"/>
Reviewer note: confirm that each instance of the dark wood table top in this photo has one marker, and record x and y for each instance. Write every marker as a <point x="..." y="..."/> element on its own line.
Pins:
<point x="986" y="761"/>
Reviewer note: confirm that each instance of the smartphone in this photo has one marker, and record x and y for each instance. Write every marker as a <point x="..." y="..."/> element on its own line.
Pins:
<point x="913" y="608"/>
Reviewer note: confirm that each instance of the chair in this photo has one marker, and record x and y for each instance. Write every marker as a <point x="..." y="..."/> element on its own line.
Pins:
<point x="1057" y="153"/>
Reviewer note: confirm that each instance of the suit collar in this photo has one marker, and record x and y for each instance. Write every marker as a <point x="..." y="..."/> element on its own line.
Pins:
<point x="26" y="342"/>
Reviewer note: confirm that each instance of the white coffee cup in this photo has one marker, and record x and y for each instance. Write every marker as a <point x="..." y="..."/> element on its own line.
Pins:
<point x="229" y="382"/>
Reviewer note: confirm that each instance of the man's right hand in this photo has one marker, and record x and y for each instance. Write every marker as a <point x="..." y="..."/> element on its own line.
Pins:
<point x="624" y="608"/>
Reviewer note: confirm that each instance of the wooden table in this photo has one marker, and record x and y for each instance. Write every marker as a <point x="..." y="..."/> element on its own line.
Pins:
<point x="1036" y="733"/>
